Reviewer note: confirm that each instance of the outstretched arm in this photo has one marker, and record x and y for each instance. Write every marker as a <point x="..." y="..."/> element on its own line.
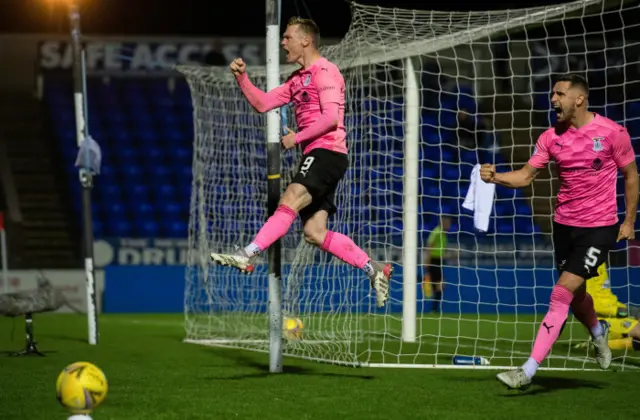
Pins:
<point x="263" y="101"/>
<point x="523" y="177"/>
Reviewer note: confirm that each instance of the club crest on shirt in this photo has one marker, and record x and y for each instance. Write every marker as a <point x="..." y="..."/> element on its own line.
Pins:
<point x="597" y="143"/>
<point x="307" y="80"/>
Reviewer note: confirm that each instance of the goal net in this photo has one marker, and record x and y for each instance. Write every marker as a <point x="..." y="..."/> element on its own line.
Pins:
<point x="429" y="95"/>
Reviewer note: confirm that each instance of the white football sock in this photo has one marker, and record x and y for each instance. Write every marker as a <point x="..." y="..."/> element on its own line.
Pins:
<point x="368" y="268"/>
<point x="252" y="250"/>
<point x="597" y="330"/>
<point x="530" y="367"/>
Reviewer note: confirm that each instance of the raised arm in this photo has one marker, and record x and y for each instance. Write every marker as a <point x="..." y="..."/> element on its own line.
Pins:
<point x="329" y="87"/>
<point x="260" y="100"/>
<point x="524" y="176"/>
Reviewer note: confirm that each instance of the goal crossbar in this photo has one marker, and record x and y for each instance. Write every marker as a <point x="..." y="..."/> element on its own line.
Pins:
<point x="390" y="49"/>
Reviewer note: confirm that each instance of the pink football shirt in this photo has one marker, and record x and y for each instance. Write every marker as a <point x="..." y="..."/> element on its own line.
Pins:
<point x="587" y="161"/>
<point x="311" y="90"/>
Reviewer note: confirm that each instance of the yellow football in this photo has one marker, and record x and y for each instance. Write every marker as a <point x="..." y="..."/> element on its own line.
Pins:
<point x="81" y="387"/>
<point x="292" y="329"/>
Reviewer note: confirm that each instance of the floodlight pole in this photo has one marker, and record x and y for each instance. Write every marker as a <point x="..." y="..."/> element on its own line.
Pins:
<point x="86" y="177"/>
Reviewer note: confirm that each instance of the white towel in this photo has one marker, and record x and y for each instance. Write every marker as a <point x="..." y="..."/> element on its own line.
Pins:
<point x="479" y="200"/>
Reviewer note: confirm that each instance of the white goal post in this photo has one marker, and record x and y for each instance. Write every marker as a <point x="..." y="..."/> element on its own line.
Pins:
<point x="429" y="95"/>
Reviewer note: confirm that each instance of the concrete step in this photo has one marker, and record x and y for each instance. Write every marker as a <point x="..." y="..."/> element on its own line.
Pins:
<point x="47" y="238"/>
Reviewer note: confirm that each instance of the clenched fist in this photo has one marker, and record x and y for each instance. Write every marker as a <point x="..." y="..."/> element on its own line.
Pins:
<point x="237" y="67"/>
<point x="487" y="172"/>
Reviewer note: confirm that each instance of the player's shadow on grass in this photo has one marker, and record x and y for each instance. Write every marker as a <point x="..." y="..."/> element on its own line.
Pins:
<point x="262" y="370"/>
<point x="545" y="384"/>
<point x="58" y="337"/>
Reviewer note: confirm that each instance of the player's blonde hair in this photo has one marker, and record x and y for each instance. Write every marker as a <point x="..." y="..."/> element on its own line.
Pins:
<point x="308" y="27"/>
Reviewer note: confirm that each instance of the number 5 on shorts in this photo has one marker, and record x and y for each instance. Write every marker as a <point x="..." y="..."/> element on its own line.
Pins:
<point x="591" y="258"/>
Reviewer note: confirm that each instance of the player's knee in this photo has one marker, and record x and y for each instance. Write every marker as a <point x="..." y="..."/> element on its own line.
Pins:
<point x="570" y="281"/>
<point x="296" y="197"/>
<point x="287" y="199"/>
<point x="315" y="235"/>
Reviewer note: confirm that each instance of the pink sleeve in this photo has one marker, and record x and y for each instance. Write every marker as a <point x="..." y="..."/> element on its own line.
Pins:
<point x="329" y="85"/>
<point x="623" y="153"/>
<point x="540" y="157"/>
<point x="264" y="101"/>
<point x="329" y="90"/>
<point x="326" y="123"/>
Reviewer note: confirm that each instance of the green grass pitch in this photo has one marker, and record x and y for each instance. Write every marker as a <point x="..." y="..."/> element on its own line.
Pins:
<point x="154" y="375"/>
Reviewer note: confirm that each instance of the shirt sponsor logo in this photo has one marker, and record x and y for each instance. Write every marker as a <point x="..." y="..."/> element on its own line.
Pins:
<point x="596" y="164"/>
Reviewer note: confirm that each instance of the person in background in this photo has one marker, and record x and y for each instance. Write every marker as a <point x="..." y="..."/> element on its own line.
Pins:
<point x="605" y="302"/>
<point x="215" y="56"/>
<point x="432" y="284"/>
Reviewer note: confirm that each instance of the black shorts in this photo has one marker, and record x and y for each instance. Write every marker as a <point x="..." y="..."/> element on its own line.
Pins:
<point x="581" y="251"/>
<point x="320" y="171"/>
<point x="435" y="270"/>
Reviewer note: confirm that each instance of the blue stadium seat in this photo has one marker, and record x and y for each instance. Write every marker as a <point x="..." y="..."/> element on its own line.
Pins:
<point x="138" y="191"/>
<point x="171" y="210"/>
<point x="148" y="228"/>
<point x="449" y="118"/>
<point x="111" y="192"/>
<point x="465" y="171"/>
<point x="466" y="223"/>
<point x="469" y="157"/>
<point x="178" y="229"/>
<point x="504" y="208"/>
<point x="121" y="228"/>
<point x="99" y="229"/>
<point x="430" y="136"/>
<point x="432" y="190"/>
<point x="166" y="192"/>
<point x="522" y="208"/>
<point x="430" y="171"/>
<point x="431" y="153"/>
<point x="505" y="227"/>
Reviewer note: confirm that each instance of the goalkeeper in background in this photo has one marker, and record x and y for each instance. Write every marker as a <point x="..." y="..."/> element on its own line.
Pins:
<point x="623" y="321"/>
<point x="605" y="303"/>
<point x="624" y="333"/>
<point x="317" y="90"/>
<point x="432" y="283"/>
